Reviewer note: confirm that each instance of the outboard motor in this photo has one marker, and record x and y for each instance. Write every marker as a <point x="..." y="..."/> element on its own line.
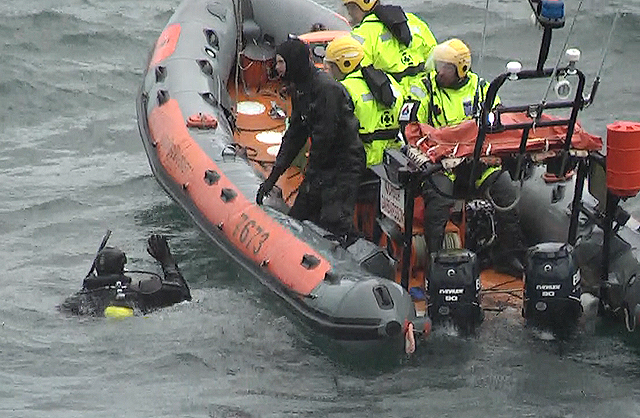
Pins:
<point x="453" y="288"/>
<point x="552" y="287"/>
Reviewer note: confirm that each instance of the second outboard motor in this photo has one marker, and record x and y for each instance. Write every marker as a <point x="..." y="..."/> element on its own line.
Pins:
<point x="552" y="287"/>
<point x="453" y="287"/>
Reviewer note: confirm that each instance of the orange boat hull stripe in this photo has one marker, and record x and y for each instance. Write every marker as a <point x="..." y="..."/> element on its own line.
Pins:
<point x="246" y="225"/>
<point x="166" y="44"/>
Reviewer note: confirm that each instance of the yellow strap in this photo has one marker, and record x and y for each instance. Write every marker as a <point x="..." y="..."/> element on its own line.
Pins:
<point x="489" y="171"/>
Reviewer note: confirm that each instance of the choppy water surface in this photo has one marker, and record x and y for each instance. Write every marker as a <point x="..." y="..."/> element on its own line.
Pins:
<point x="73" y="165"/>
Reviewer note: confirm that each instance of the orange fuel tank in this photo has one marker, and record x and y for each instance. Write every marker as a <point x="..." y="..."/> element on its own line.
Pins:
<point x="623" y="158"/>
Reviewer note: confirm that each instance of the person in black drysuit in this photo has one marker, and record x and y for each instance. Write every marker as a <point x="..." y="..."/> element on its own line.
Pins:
<point x="112" y="287"/>
<point x="322" y="110"/>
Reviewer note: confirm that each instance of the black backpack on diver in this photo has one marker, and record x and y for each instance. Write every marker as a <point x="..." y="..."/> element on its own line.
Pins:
<point x="453" y="288"/>
<point x="552" y="287"/>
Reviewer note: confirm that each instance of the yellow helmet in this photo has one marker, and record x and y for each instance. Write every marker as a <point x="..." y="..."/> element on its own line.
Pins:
<point x="455" y="52"/>
<point x="345" y="52"/>
<point x="365" y="5"/>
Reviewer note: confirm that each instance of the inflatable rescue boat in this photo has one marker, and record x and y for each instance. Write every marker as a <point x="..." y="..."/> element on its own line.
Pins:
<point x="211" y="115"/>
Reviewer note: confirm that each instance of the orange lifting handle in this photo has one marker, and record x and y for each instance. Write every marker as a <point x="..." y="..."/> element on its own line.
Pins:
<point x="202" y="121"/>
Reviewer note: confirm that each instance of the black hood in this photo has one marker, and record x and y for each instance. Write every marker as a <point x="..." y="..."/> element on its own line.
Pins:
<point x="296" y="56"/>
<point x="110" y="260"/>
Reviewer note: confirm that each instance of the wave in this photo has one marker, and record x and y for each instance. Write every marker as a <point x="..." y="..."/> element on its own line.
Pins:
<point x="109" y="36"/>
<point x="61" y="204"/>
<point x="44" y="18"/>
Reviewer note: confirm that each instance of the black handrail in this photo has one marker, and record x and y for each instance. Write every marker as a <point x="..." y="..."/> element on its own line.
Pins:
<point x="486" y="126"/>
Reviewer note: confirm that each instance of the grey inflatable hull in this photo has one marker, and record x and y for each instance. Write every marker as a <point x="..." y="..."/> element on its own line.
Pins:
<point x="545" y="211"/>
<point x="188" y="72"/>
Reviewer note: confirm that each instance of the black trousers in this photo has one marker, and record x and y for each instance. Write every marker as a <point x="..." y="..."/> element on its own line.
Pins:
<point x="329" y="201"/>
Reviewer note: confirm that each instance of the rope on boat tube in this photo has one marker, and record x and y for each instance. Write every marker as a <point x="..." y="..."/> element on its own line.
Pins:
<point x="238" y="11"/>
<point x="627" y="320"/>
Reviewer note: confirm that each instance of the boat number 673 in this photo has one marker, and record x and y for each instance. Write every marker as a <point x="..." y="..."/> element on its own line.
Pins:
<point x="250" y="233"/>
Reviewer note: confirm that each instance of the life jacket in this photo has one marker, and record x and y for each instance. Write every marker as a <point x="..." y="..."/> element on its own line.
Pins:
<point x="377" y="101"/>
<point x="441" y="107"/>
<point x="386" y="48"/>
<point x="447" y="106"/>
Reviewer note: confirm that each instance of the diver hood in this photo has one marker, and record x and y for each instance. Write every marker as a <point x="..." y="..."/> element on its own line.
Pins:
<point x="296" y="55"/>
<point x="110" y="260"/>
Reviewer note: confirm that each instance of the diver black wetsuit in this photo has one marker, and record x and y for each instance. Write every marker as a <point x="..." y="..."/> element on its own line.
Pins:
<point x="322" y="110"/>
<point x="112" y="287"/>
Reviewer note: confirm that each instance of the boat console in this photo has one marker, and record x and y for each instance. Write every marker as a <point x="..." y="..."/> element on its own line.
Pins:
<point x="516" y="138"/>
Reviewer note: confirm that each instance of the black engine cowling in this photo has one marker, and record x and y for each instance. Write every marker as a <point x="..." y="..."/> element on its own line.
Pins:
<point x="453" y="286"/>
<point x="552" y="287"/>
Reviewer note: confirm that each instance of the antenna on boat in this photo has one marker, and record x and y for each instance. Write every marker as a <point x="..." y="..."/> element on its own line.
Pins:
<point x="484" y="37"/>
<point x="596" y="82"/>
<point x="564" y="47"/>
<point x="237" y="5"/>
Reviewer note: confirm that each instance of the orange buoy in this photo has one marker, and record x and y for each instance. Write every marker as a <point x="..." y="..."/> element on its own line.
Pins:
<point x="623" y="158"/>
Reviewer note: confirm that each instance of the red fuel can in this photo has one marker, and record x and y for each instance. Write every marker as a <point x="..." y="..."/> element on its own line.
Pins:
<point x="623" y="158"/>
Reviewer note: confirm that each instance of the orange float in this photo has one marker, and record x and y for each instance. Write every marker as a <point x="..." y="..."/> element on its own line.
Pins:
<point x="623" y="158"/>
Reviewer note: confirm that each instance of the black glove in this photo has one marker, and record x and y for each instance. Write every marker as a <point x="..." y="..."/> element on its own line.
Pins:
<point x="158" y="248"/>
<point x="265" y="187"/>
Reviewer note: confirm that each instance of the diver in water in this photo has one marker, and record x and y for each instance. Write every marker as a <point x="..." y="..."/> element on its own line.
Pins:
<point x="111" y="292"/>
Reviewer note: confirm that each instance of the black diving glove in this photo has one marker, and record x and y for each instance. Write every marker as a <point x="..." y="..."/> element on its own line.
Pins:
<point x="158" y="248"/>
<point x="266" y="187"/>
